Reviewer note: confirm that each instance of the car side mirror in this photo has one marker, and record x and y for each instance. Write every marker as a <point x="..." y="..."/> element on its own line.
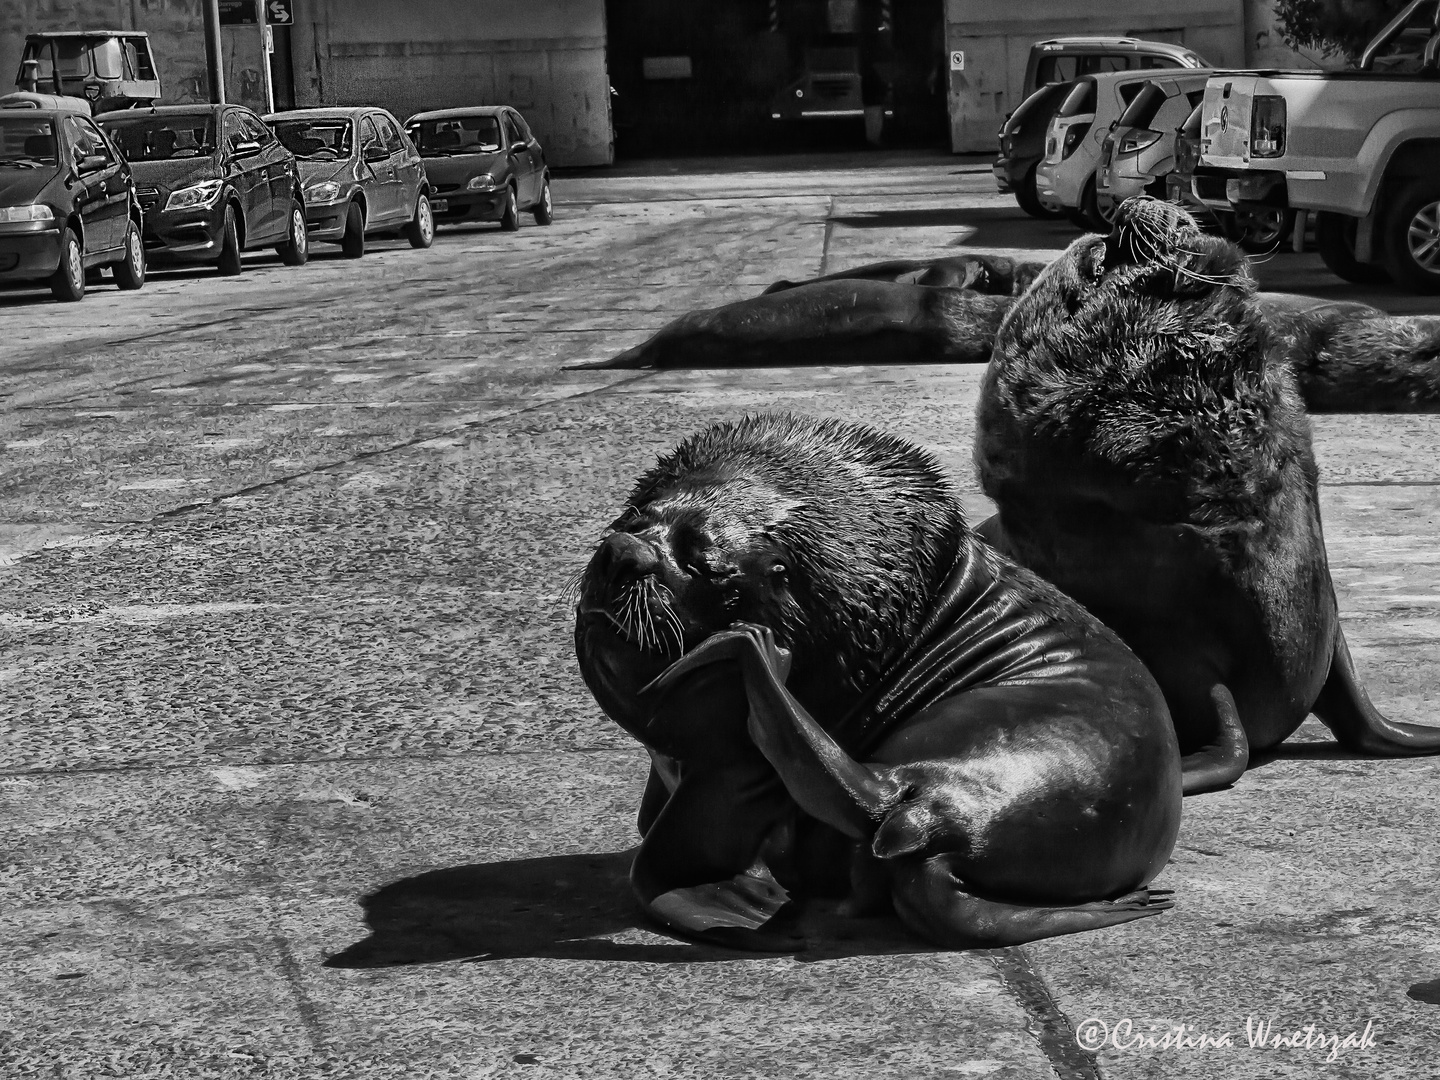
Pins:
<point x="245" y="148"/>
<point x="376" y="153"/>
<point x="91" y="163"/>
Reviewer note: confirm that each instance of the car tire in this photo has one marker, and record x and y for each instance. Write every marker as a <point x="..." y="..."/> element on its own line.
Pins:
<point x="296" y="249"/>
<point x="67" y="284"/>
<point x="1092" y="217"/>
<point x="230" y="263"/>
<point x="130" y="271"/>
<point x="1262" y="232"/>
<point x="1028" y="196"/>
<point x="421" y="230"/>
<point x="1412" y="237"/>
<point x="545" y="208"/>
<point x="352" y="242"/>
<point x="1335" y="240"/>
<point x="510" y="216"/>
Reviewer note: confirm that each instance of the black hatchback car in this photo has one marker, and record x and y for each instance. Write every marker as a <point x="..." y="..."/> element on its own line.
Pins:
<point x="67" y="203"/>
<point x="214" y="181"/>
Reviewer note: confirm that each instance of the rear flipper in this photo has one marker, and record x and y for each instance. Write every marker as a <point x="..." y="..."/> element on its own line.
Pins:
<point x="931" y="898"/>
<point x="1222" y="762"/>
<point x="1345" y="709"/>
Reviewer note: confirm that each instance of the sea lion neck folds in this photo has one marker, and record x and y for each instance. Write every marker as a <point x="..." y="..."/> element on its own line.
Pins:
<point x="1025" y="778"/>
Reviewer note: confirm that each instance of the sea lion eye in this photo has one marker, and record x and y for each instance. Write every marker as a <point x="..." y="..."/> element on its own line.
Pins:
<point x="778" y="569"/>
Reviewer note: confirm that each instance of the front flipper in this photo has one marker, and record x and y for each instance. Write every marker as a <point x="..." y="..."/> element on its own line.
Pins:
<point x="1345" y="709"/>
<point x="1224" y="760"/>
<point x="934" y="902"/>
<point x="697" y="871"/>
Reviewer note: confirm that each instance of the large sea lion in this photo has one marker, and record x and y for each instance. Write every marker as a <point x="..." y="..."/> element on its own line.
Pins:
<point x="995" y="275"/>
<point x="793" y="618"/>
<point x="1141" y="431"/>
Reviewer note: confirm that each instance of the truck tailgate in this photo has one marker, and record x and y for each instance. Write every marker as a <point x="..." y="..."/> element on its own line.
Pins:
<point x="1225" y="120"/>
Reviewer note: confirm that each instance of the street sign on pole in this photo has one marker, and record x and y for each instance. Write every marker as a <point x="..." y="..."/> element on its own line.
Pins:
<point x="239" y="12"/>
<point x="280" y="12"/>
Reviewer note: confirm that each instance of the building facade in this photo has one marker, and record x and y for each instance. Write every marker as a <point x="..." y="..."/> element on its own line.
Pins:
<point x="653" y="77"/>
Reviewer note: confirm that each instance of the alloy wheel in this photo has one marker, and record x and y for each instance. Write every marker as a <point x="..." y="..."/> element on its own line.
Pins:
<point x="1423" y="237"/>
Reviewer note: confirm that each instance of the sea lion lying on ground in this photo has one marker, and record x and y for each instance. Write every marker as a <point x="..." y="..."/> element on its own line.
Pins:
<point x="994" y="275"/>
<point x="1142" y="434"/>
<point x="793" y="618"/>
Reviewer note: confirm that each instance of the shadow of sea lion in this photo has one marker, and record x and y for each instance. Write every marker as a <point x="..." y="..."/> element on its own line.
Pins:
<point x="563" y="907"/>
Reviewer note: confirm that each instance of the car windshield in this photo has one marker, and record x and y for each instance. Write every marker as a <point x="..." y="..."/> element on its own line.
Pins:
<point x="456" y="135"/>
<point x="317" y="139"/>
<point x="162" y="138"/>
<point x="27" y="143"/>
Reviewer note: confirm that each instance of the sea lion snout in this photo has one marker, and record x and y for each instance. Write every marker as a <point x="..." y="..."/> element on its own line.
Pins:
<point x="623" y="558"/>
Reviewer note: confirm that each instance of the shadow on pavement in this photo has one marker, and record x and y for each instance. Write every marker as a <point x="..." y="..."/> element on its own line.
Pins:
<point x="995" y="226"/>
<point x="563" y="907"/>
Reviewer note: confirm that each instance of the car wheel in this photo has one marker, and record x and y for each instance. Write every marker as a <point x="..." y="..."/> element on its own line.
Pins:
<point x="130" y="271"/>
<point x="1335" y="240"/>
<point x="67" y="284"/>
<point x="1262" y="231"/>
<point x="352" y="243"/>
<point x="545" y="208"/>
<point x="510" y="217"/>
<point x="1412" y="237"/>
<point x="296" y="248"/>
<point x="1094" y="218"/>
<point x="230" y="264"/>
<point x="1028" y="196"/>
<point x="421" y="230"/>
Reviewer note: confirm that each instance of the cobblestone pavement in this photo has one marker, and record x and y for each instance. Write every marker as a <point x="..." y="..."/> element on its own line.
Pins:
<point x="283" y="623"/>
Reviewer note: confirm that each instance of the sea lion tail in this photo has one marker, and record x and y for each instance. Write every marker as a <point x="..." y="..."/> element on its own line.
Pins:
<point x="1345" y="708"/>
<point x="641" y="356"/>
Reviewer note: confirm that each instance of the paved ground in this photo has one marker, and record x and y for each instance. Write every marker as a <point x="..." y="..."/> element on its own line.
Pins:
<point x="282" y="624"/>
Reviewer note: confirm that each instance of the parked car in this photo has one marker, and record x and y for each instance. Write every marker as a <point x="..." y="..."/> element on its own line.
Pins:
<point x="1056" y="60"/>
<point x="360" y="173"/>
<point x="67" y="203"/>
<point x="213" y="181"/>
<point x="1022" y="148"/>
<point x="1357" y="148"/>
<point x="485" y="165"/>
<point x="1139" y="151"/>
<point x="1072" y="144"/>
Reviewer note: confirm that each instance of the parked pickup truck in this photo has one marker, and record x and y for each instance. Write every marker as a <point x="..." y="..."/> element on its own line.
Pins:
<point x="1358" y="148"/>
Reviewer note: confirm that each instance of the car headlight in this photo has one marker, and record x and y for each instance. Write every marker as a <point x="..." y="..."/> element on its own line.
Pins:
<point x="32" y="212"/>
<point x="206" y="193"/>
<point x="483" y="182"/>
<point x="325" y="192"/>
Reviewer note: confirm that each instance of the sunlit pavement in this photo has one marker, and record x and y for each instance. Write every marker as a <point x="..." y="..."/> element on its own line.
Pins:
<point x="283" y="621"/>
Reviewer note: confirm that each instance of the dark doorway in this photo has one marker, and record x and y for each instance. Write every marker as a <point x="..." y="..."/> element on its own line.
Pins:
<point x="758" y="76"/>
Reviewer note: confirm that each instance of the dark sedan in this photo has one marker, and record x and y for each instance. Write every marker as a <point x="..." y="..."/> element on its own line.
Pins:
<point x="361" y="175"/>
<point x="67" y="203"/>
<point x="214" y="181"/>
<point x="484" y="165"/>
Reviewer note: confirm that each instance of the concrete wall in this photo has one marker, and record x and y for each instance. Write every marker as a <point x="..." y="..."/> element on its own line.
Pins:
<point x="176" y="29"/>
<point x="996" y="36"/>
<point x="544" y="57"/>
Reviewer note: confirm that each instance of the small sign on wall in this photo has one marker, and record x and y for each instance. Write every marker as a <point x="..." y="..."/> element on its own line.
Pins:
<point x="957" y="60"/>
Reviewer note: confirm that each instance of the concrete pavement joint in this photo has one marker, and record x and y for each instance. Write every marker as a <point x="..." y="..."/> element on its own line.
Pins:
<point x="825" y="244"/>
<point x="1052" y="1030"/>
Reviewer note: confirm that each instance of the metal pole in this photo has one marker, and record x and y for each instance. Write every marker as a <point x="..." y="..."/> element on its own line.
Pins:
<point x="214" y="52"/>
<point x="266" y="48"/>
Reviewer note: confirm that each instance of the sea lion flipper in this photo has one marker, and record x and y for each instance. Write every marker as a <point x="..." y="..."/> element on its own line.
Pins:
<point x="931" y="898"/>
<point x="1224" y="760"/>
<point x="1345" y="708"/>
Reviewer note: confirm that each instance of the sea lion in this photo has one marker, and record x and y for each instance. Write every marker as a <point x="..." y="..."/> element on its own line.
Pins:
<point x="1141" y="431"/>
<point x="839" y="321"/>
<point x="994" y="275"/>
<point x="793" y="618"/>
